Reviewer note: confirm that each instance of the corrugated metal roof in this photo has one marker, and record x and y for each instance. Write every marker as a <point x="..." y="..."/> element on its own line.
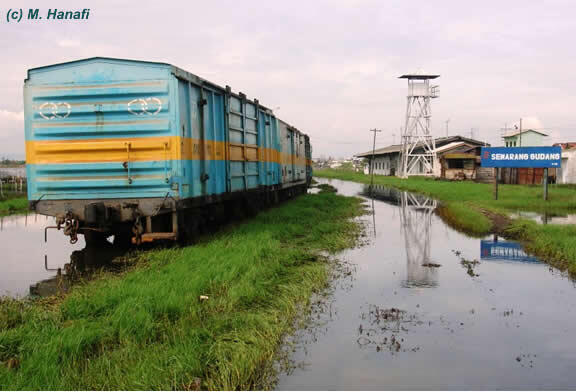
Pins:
<point x="441" y="142"/>
<point x="459" y="156"/>
<point x="449" y="146"/>
<point x="384" y="150"/>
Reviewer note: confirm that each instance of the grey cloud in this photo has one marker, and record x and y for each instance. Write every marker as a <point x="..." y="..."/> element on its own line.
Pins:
<point x="331" y="66"/>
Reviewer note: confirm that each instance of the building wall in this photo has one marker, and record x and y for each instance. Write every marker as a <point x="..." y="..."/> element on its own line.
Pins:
<point x="388" y="165"/>
<point x="566" y="175"/>
<point x="385" y="165"/>
<point x="528" y="139"/>
<point x="468" y="171"/>
<point x="460" y="174"/>
<point x="437" y="166"/>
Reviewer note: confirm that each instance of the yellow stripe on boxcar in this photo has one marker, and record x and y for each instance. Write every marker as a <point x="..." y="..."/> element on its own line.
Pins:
<point x="150" y="149"/>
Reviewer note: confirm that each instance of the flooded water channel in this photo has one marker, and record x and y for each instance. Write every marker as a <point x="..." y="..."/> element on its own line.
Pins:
<point x="28" y="265"/>
<point x="427" y="307"/>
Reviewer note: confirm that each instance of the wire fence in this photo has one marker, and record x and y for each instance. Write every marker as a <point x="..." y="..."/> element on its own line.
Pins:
<point x="12" y="182"/>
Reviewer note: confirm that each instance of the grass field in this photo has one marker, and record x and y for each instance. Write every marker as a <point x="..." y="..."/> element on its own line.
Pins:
<point x="555" y="243"/>
<point x="12" y="200"/>
<point x="148" y="328"/>
<point x="9" y="206"/>
<point x="467" y="205"/>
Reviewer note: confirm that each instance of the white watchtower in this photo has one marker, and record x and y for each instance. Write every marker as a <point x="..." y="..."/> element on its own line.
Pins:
<point x="418" y="156"/>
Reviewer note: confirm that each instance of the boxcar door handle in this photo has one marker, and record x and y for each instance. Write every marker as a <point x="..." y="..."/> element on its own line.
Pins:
<point x="128" y="162"/>
<point x="166" y="162"/>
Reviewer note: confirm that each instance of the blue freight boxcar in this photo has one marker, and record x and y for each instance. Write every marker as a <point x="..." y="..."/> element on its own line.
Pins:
<point x="145" y="150"/>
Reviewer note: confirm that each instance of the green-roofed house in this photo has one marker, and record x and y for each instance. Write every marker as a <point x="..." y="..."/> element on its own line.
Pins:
<point x="527" y="138"/>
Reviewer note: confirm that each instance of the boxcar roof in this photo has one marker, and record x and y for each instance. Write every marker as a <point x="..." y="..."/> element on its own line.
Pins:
<point x="178" y="72"/>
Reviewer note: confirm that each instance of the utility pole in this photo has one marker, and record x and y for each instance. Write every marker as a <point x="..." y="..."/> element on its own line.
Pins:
<point x="520" y="130"/>
<point x="374" y="131"/>
<point x="447" y="127"/>
<point x="400" y="133"/>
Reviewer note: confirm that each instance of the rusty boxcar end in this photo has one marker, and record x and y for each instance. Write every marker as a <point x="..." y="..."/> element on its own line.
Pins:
<point x="145" y="150"/>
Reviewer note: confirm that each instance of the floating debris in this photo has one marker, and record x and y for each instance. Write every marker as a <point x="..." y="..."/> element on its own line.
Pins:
<point x="432" y="265"/>
<point x="382" y="321"/>
<point x="469" y="265"/>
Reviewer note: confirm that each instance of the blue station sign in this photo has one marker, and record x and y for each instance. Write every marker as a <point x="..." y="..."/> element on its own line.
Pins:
<point x="545" y="157"/>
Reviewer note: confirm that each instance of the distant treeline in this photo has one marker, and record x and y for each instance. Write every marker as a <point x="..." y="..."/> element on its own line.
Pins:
<point x="11" y="162"/>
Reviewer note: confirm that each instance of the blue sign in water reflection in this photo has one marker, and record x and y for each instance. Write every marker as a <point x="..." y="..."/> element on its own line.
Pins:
<point x="505" y="250"/>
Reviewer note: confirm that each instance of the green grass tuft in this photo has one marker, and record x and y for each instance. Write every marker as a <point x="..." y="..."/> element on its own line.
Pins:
<point x="13" y="206"/>
<point x="464" y="217"/>
<point x="148" y="328"/>
<point x="554" y="243"/>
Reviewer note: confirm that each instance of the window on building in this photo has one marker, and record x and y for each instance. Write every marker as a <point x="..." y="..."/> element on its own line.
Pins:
<point x="455" y="163"/>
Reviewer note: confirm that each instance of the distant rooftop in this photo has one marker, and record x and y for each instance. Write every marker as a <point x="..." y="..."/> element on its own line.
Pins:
<point x="566" y="145"/>
<point x="440" y="142"/>
<point x="516" y="132"/>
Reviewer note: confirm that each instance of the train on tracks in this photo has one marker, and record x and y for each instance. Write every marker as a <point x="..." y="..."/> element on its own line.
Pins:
<point x="146" y="151"/>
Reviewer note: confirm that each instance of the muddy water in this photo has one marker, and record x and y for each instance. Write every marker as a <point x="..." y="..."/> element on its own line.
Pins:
<point x="482" y="315"/>
<point x="28" y="265"/>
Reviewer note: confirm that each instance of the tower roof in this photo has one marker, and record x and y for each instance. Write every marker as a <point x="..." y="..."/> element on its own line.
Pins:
<point x="418" y="76"/>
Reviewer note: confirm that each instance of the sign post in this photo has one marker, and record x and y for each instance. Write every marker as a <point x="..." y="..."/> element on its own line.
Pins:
<point x="546" y="184"/>
<point x="496" y="187"/>
<point x="536" y="157"/>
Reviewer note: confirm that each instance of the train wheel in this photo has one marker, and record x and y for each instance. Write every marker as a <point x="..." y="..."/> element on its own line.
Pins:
<point x="122" y="240"/>
<point x="95" y="239"/>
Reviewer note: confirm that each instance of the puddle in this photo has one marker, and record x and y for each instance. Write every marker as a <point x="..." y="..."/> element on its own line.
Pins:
<point x="485" y="316"/>
<point x="28" y="265"/>
<point x="544" y="218"/>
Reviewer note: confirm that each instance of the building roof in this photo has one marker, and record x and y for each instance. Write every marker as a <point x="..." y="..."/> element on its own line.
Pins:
<point x="566" y="145"/>
<point x="448" y="146"/>
<point x="516" y="133"/>
<point x="381" y="151"/>
<point x="440" y="144"/>
<point x="459" y="155"/>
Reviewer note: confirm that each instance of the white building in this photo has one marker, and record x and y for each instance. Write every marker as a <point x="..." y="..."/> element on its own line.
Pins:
<point x="387" y="160"/>
<point x="566" y="174"/>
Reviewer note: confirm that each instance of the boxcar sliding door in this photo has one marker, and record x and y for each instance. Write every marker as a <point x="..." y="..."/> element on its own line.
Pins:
<point x="202" y="126"/>
<point x="243" y="173"/>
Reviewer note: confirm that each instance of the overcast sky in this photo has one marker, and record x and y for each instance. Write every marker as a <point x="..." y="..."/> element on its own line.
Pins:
<point x="331" y="67"/>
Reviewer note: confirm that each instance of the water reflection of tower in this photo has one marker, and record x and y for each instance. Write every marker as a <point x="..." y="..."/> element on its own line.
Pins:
<point x="416" y="217"/>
